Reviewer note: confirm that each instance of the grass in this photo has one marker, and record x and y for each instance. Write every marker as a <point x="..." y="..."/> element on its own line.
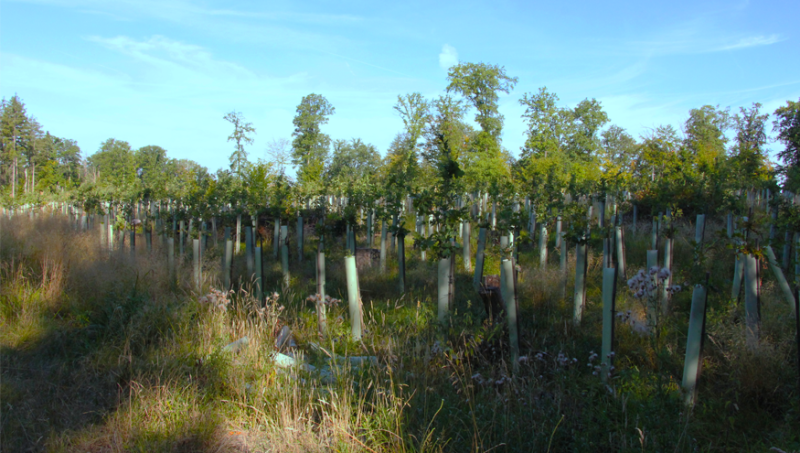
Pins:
<point x="102" y="352"/>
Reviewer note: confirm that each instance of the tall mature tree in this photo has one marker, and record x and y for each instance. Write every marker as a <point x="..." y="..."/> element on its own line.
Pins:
<point x="70" y="160"/>
<point x="151" y="168"/>
<point x="787" y="125"/>
<point x="658" y="148"/>
<point x="310" y="145"/>
<point x="353" y="160"/>
<point x="749" y="153"/>
<point x="240" y="135"/>
<point x="480" y="83"/>
<point x="563" y="145"/>
<point x="618" y="147"/>
<point x="447" y="142"/>
<point x="279" y="153"/>
<point x="548" y="125"/>
<point x="619" y="151"/>
<point x="402" y="159"/>
<point x="32" y="153"/>
<point x="15" y="137"/>
<point x="115" y="166"/>
<point x="58" y="162"/>
<point x="705" y="135"/>
<point x="413" y="110"/>
<point x="588" y="118"/>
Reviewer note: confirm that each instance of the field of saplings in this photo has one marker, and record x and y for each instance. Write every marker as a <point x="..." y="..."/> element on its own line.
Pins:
<point x="592" y="327"/>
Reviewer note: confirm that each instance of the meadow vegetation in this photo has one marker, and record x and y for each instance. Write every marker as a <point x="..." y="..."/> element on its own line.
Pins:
<point x="102" y="352"/>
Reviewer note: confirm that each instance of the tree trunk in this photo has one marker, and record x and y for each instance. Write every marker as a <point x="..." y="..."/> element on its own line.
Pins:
<point x="14" y="173"/>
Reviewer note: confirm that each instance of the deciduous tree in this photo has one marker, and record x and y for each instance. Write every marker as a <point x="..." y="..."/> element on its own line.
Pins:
<point x="241" y="136"/>
<point x="310" y="145"/>
<point x="787" y="125"/>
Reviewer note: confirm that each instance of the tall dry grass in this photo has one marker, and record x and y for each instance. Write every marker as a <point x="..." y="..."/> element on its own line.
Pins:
<point x="102" y="352"/>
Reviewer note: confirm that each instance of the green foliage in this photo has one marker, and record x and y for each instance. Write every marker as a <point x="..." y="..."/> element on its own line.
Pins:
<point x="787" y="125"/>
<point x="749" y="154"/>
<point x="240" y="136"/>
<point x="352" y="160"/>
<point x="310" y="145"/>
<point x="447" y="143"/>
<point x="705" y="135"/>
<point x="563" y="146"/>
<point x="116" y="167"/>
<point x="481" y="84"/>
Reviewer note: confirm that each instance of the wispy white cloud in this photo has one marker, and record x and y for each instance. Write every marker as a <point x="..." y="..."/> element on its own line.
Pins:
<point x="448" y="57"/>
<point x="751" y="41"/>
<point x="178" y="58"/>
<point x="698" y="44"/>
<point x="279" y="29"/>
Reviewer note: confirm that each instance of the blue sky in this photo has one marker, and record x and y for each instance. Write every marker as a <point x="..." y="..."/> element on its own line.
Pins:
<point x="166" y="72"/>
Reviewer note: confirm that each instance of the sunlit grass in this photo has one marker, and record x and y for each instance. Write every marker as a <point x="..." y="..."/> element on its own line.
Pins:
<point x="101" y="352"/>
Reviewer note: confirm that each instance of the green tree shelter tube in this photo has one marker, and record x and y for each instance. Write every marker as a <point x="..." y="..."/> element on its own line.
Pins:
<point x="228" y="261"/>
<point x="353" y="296"/>
<point x="384" y="232"/>
<point x="198" y="277"/>
<point x="652" y="302"/>
<point x="781" y="279"/>
<point x="609" y="301"/>
<point x="443" y="289"/>
<point x="558" y="232"/>
<point x="694" y="345"/>
<point x="285" y="256"/>
<point x="699" y="230"/>
<point x="509" y="295"/>
<point x="300" y="239"/>
<point x="259" y="291"/>
<point x="171" y="260"/>
<point x="580" y="282"/>
<point x="321" y="307"/>
<point x="542" y="245"/>
<point x="738" y="273"/>
<point x="620" y="240"/>
<point x="237" y="244"/>
<point x="401" y="263"/>
<point x="752" y="316"/>
<point x="465" y="249"/>
<point x="248" y="252"/>
<point x="479" y="259"/>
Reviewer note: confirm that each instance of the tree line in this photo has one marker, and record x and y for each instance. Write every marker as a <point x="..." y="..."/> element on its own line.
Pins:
<point x="568" y="150"/>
